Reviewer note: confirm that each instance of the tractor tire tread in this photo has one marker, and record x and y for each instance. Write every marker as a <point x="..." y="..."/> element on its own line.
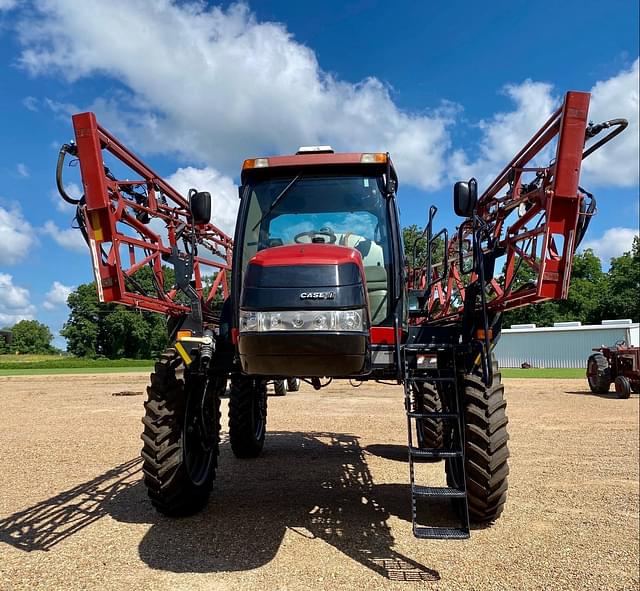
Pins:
<point x="244" y="443"/>
<point x="168" y="485"/>
<point x="486" y="450"/>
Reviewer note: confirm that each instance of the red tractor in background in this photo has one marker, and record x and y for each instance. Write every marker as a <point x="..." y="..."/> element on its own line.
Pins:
<point x="618" y="365"/>
<point x="320" y="288"/>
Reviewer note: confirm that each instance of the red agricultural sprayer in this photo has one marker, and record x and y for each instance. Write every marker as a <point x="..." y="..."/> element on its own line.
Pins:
<point x="315" y="284"/>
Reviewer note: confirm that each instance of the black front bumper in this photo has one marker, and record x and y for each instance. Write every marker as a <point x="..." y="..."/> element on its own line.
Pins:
<point x="305" y="354"/>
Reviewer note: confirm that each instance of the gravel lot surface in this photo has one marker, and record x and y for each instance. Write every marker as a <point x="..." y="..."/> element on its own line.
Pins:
<point x="327" y="505"/>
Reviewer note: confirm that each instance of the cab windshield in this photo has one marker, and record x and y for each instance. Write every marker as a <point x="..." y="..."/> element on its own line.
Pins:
<point x="345" y="211"/>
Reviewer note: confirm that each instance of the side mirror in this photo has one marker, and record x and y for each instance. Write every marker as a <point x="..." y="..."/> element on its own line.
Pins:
<point x="465" y="197"/>
<point x="200" y="204"/>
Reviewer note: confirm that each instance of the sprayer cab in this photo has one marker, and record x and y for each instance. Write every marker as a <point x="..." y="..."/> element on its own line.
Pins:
<point x="314" y="262"/>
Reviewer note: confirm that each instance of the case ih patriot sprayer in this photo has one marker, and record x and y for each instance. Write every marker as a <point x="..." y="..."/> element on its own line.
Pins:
<point x="320" y="288"/>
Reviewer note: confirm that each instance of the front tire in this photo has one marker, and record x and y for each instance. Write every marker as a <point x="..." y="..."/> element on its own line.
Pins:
<point x="247" y="416"/>
<point x="623" y="387"/>
<point x="293" y="384"/>
<point x="180" y="437"/>
<point x="279" y="388"/>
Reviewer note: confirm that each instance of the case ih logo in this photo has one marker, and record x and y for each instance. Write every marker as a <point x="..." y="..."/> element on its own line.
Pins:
<point x="317" y="295"/>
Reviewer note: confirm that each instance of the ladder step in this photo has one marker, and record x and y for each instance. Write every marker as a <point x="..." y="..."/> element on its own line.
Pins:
<point x="433" y="415"/>
<point x="438" y="491"/>
<point x="441" y="533"/>
<point x="416" y="452"/>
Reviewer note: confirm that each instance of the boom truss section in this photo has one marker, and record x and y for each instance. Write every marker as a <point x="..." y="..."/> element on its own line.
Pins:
<point x="132" y="224"/>
<point x="527" y="226"/>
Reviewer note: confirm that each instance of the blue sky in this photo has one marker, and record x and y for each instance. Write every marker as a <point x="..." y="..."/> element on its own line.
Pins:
<point x="451" y="89"/>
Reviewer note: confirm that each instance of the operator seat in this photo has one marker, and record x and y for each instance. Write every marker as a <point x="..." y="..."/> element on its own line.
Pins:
<point x="374" y="271"/>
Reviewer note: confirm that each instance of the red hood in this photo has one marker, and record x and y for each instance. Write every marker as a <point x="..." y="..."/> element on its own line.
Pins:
<point x="307" y="254"/>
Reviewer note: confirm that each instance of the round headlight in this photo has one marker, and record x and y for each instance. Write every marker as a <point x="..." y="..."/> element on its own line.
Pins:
<point x="351" y="320"/>
<point x="320" y="322"/>
<point x="275" y="322"/>
<point x="249" y="321"/>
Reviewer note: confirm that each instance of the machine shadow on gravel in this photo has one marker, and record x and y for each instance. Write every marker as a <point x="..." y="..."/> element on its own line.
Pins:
<point x="317" y="485"/>
<point x="610" y="395"/>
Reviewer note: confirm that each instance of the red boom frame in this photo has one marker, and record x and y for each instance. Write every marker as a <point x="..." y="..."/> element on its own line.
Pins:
<point x="543" y="237"/>
<point x="121" y="243"/>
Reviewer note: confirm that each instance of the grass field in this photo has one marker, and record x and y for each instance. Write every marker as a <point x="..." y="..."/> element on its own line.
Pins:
<point x="561" y="373"/>
<point x="21" y="365"/>
<point x="73" y="370"/>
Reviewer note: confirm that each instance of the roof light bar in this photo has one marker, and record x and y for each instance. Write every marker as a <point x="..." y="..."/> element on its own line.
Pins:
<point x="315" y="150"/>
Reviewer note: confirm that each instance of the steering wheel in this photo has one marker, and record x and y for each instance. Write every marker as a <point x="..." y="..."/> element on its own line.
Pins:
<point x="316" y="233"/>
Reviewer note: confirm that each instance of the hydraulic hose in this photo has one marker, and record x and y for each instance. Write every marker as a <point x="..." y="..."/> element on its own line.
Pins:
<point x="593" y="130"/>
<point x="586" y="213"/>
<point x="64" y="150"/>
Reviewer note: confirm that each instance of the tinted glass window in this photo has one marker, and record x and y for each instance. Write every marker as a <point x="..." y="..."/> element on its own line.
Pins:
<point x="347" y="211"/>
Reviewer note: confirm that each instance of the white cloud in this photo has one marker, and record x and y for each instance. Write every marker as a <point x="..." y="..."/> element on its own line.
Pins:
<point x="71" y="239"/>
<point x="16" y="236"/>
<point x="22" y="170"/>
<point x="613" y="243"/>
<point x="618" y="162"/>
<point x="237" y="88"/>
<point x="73" y="190"/>
<point x="8" y="4"/>
<point x="57" y="295"/>
<point x="506" y="133"/>
<point x="224" y="193"/>
<point x="15" y="304"/>
<point x="30" y="103"/>
<point x="234" y="87"/>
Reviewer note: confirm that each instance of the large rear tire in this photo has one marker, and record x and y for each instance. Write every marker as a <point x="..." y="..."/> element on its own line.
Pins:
<point x="486" y="451"/>
<point x="429" y="431"/>
<point x="247" y="416"/>
<point x="180" y="437"/>
<point x="600" y="378"/>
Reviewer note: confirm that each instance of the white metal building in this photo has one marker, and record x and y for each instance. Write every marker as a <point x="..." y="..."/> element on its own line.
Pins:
<point x="565" y="344"/>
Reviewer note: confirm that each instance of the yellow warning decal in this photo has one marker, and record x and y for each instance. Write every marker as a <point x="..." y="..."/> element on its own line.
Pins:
<point x="95" y="226"/>
<point x="183" y="353"/>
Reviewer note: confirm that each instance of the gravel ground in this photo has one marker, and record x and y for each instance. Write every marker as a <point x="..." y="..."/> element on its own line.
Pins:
<point x="327" y="505"/>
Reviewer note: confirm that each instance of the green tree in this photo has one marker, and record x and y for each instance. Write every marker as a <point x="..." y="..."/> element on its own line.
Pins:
<point x="4" y="340"/>
<point x="584" y="302"/>
<point x="623" y="285"/>
<point x="586" y="291"/>
<point x="593" y="294"/>
<point x="412" y="237"/>
<point x="128" y="334"/>
<point x="83" y="328"/>
<point x="413" y="240"/>
<point x="31" y="336"/>
<point x="95" y="329"/>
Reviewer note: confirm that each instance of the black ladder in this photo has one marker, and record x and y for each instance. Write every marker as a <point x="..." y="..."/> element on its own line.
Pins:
<point x="414" y="374"/>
